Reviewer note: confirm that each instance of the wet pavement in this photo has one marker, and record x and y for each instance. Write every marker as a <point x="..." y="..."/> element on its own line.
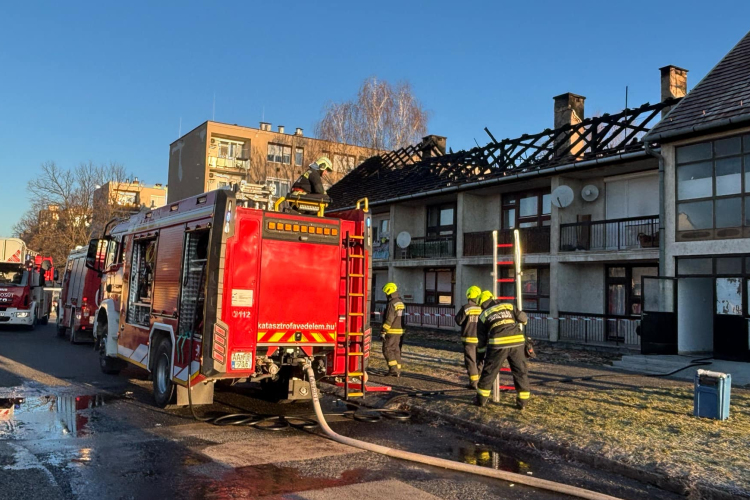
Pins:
<point x="69" y="431"/>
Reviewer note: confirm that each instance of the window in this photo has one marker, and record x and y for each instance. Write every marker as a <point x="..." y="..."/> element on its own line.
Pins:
<point x="141" y="282"/>
<point x="535" y="287"/>
<point x="527" y="209"/>
<point x="127" y="198"/>
<point x="710" y="187"/>
<point x="624" y="295"/>
<point x="343" y="163"/>
<point x="441" y="220"/>
<point x="438" y="286"/>
<point x="278" y="153"/>
<point x="299" y="155"/>
<point x="279" y="187"/>
<point x="226" y="148"/>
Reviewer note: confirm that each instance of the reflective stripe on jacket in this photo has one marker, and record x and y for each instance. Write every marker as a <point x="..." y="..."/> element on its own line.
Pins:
<point x="498" y="326"/>
<point x="393" y="323"/>
<point x="467" y="318"/>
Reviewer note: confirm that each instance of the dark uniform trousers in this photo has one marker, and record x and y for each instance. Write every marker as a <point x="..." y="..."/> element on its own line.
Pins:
<point x="473" y="361"/>
<point x="493" y="360"/>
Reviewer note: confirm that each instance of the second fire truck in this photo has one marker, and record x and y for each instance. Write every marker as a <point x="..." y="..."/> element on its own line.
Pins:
<point x="23" y="276"/>
<point x="223" y="286"/>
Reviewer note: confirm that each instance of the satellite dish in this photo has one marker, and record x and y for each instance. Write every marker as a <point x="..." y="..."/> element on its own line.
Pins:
<point x="562" y="196"/>
<point x="590" y="192"/>
<point x="403" y="239"/>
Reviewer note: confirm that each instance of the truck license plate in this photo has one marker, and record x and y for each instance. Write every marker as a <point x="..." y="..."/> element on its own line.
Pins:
<point x="242" y="360"/>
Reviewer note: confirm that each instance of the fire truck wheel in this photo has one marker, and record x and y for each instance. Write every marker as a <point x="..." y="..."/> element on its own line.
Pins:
<point x="163" y="386"/>
<point x="61" y="329"/>
<point x="33" y="324"/>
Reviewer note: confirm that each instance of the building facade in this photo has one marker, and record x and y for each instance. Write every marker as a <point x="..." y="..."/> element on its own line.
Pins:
<point x="115" y="198"/>
<point x="433" y="215"/>
<point x="218" y="155"/>
<point x="700" y="303"/>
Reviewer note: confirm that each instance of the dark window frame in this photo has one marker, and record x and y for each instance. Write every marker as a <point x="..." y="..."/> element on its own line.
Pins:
<point x="434" y="231"/>
<point x="512" y="201"/>
<point x="743" y="230"/>
<point x="434" y="292"/>
<point x="627" y="280"/>
<point x="274" y="159"/>
<point x="505" y="288"/>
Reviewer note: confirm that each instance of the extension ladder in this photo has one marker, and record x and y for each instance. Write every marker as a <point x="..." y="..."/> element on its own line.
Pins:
<point x="497" y="279"/>
<point x="354" y="340"/>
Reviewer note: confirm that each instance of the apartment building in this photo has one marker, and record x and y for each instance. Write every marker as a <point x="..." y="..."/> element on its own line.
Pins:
<point x="218" y="155"/>
<point x="699" y="304"/>
<point x="433" y="215"/>
<point x="121" y="198"/>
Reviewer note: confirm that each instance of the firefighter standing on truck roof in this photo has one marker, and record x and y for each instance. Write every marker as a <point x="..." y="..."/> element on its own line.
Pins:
<point x="499" y="331"/>
<point x="393" y="329"/>
<point x="311" y="182"/>
<point x="467" y="318"/>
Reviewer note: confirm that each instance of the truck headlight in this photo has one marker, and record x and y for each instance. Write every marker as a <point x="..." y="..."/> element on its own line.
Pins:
<point x="22" y="315"/>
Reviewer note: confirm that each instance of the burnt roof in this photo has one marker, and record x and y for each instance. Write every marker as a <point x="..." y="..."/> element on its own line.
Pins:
<point x="420" y="169"/>
<point x="721" y="99"/>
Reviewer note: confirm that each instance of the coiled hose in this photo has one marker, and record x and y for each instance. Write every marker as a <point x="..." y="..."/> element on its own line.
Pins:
<point x="446" y="464"/>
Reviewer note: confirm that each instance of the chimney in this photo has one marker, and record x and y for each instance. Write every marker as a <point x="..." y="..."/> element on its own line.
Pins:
<point x="430" y="143"/>
<point x="568" y="111"/>
<point x="673" y="84"/>
<point x="281" y="129"/>
<point x="298" y="131"/>
<point x="265" y="126"/>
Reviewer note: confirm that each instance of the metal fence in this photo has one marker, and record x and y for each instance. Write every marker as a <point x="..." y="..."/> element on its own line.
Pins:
<point x="538" y="325"/>
<point x="616" y="234"/>
<point x="533" y="240"/>
<point x="599" y="329"/>
<point x="428" y="248"/>
<point x="422" y="315"/>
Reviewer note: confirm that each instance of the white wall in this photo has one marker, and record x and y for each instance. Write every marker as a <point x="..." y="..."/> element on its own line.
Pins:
<point x="695" y="315"/>
<point x="410" y="282"/>
<point x="580" y="288"/>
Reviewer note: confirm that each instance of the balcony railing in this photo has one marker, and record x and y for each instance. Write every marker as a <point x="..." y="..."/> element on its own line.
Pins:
<point x="421" y="315"/>
<point x="599" y="329"/>
<point x="616" y="234"/>
<point x="431" y="247"/>
<point x="533" y="240"/>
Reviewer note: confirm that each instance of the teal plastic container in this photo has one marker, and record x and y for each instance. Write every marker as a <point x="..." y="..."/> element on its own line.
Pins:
<point x="712" y="392"/>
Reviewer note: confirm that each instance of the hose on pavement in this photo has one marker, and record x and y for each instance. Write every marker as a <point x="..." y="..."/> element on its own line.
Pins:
<point x="441" y="462"/>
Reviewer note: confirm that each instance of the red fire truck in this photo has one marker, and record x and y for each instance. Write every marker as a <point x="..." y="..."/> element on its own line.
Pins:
<point x="23" y="276"/>
<point x="78" y="298"/>
<point x="225" y="286"/>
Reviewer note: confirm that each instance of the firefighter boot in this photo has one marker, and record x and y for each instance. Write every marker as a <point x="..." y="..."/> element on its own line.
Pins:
<point x="481" y="401"/>
<point x="522" y="401"/>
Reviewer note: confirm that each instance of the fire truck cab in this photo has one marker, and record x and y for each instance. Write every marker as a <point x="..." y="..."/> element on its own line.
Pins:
<point x="221" y="286"/>
<point x="23" y="276"/>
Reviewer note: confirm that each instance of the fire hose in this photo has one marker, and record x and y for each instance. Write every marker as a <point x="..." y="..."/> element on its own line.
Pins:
<point x="441" y="462"/>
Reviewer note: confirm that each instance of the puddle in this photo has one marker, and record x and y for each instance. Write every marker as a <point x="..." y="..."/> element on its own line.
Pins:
<point x="47" y="417"/>
<point x="487" y="457"/>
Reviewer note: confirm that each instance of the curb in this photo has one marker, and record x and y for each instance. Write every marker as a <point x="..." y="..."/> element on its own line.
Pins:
<point x="659" y="480"/>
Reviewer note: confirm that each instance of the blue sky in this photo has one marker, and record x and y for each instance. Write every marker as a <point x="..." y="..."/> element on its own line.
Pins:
<point x="107" y="82"/>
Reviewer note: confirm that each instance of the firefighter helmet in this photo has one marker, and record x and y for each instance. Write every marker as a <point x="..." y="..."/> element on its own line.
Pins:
<point x="324" y="164"/>
<point x="485" y="296"/>
<point x="473" y="293"/>
<point x="389" y="288"/>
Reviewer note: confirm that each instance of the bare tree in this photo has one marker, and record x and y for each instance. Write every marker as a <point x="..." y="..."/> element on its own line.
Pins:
<point x="382" y="117"/>
<point x="63" y="206"/>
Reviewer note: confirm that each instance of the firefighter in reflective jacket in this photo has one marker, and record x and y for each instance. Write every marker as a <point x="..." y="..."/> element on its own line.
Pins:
<point x="393" y="330"/>
<point x="311" y="182"/>
<point x="499" y="331"/>
<point x="467" y="318"/>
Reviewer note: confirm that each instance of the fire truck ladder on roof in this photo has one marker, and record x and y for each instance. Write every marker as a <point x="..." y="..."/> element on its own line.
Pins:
<point x="512" y="260"/>
<point x="354" y="341"/>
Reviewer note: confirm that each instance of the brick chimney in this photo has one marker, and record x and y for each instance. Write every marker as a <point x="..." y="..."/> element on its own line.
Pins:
<point x="673" y="84"/>
<point x="568" y="111"/>
<point x="430" y="142"/>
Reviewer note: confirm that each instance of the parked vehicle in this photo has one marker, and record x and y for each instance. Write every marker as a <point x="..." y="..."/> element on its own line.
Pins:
<point x="23" y="276"/>
<point x="78" y="298"/>
<point x="209" y="289"/>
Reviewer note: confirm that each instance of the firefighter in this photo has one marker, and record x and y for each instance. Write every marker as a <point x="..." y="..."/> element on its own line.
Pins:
<point x="467" y="317"/>
<point x="311" y="182"/>
<point x="499" y="331"/>
<point x="393" y="329"/>
<point x="486" y="299"/>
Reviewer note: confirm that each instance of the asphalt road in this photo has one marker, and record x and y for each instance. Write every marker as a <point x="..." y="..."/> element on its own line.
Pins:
<point x="81" y="434"/>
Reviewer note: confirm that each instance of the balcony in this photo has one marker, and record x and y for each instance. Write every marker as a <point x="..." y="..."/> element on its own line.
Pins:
<point x="533" y="240"/>
<point x="599" y="329"/>
<point x="617" y="234"/>
<point x="431" y="247"/>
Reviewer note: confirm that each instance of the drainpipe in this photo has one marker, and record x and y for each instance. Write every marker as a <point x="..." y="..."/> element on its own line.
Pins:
<point x="662" y="238"/>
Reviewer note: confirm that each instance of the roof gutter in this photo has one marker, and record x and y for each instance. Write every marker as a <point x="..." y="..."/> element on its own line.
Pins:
<point x="694" y="129"/>
<point x="508" y="178"/>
